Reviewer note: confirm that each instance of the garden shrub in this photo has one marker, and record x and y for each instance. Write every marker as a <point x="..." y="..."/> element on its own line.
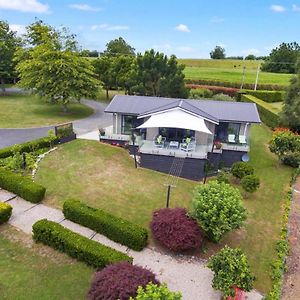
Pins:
<point x="21" y="186"/>
<point x="115" y="228"/>
<point x="240" y="169"/>
<point x="266" y="96"/>
<point x="223" y="97"/>
<point x="223" y="177"/>
<point x="31" y="146"/>
<point x="250" y="183"/>
<point x="5" y="212"/>
<point x="291" y="159"/>
<point x="156" y="292"/>
<point x="218" y="208"/>
<point x="120" y="281"/>
<point x="200" y="93"/>
<point x="75" y="245"/>
<point x="231" y="268"/>
<point x="174" y="229"/>
<point x="215" y="89"/>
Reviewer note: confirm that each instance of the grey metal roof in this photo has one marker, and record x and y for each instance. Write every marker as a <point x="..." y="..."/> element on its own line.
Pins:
<point x="219" y="110"/>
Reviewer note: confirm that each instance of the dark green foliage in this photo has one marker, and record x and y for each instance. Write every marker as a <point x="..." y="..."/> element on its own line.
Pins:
<point x="250" y="183"/>
<point x="267" y="96"/>
<point x="217" y="53"/>
<point x="31" y="146"/>
<point x="156" y="292"/>
<point x="75" y="245"/>
<point x="250" y="57"/>
<point x="200" y="93"/>
<point x="231" y="268"/>
<point x="65" y="130"/>
<point x="282" y="59"/>
<point x="118" y="47"/>
<point x="21" y="186"/>
<point x="5" y="212"/>
<point x="291" y="159"/>
<point x="218" y="208"/>
<point x="120" y="281"/>
<point x="267" y="116"/>
<point x="116" y="229"/>
<point x="223" y="177"/>
<point x="241" y="169"/>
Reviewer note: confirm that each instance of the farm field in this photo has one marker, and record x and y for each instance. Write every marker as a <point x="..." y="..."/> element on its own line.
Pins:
<point x="104" y="176"/>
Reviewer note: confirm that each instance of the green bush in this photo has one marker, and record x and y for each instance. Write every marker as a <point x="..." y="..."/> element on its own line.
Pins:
<point x="31" y="146"/>
<point x="269" y="117"/>
<point x="291" y="159"/>
<point x="75" y="245"/>
<point x="116" y="229"/>
<point x="222" y="97"/>
<point x="223" y="177"/>
<point x="241" y="169"/>
<point x="5" y="212"/>
<point x="200" y="93"/>
<point x="250" y="183"/>
<point x="218" y="208"/>
<point x="156" y="292"/>
<point x="266" y="96"/>
<point x="21" y="186"/>
<point x="231" y="268"/>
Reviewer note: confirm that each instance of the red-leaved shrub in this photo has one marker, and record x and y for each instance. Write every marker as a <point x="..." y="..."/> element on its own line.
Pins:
<point x="119" y="281"/>
<point x="174" y="229"/>
<point x="215" y="89"/>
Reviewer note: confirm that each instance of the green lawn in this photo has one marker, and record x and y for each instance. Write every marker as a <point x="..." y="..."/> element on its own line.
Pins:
<point x="32" y="271"/>
<point x="104" y="176"/>
<point x="276" y="107"/>
<point x="235" y="75"/>
<point x="30" y="111"/>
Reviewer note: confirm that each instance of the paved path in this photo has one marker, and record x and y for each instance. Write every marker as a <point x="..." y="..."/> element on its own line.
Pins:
<point x="9" y="137"/>
<point x="190" y="276"/>
<point x="291" y="282"/>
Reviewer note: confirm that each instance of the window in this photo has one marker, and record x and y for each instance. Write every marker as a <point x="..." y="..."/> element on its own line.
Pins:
<point x="129" y="122"/>
<point x="225" y="129"/>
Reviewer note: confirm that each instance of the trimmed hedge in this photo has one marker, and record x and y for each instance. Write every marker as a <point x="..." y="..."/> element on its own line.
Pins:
<point x="266" y="96"/>
<point x="116" y="229"/>
<point x="215" y="89"/>
<point x="75" y="245"/>
<point x="5" y="212"/>
<point x="270" y="118"/>
<point x="21" y="186"/>
<point x="45" y="142"/>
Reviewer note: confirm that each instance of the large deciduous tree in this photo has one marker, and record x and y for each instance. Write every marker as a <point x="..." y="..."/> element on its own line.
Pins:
<point x="118" y="47"/>
<point x="282" y="59"/>
<point x="217" y="53"/>
<point x="9" y="43"/>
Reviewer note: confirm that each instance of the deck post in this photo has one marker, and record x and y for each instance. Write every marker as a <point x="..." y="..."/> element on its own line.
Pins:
<point x="168" y="196"/>
<point x="133" y="143"/>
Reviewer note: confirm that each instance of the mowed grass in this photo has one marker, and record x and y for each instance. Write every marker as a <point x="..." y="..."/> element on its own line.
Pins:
<point x="104" y="176"/>
<point x="235" y="75"/>
<point x="32" y="271"/>
<point x="31" y="111"/>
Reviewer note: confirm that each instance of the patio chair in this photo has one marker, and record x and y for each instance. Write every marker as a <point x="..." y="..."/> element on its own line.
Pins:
<point x="187" y="147"/>
<point x="231" y="138"/>
<point x="242" y="139"/>
<point x="159" y="141"/>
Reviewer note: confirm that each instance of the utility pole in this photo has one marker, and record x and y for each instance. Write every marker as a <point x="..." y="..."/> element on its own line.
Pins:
<point x="256" y="79"/>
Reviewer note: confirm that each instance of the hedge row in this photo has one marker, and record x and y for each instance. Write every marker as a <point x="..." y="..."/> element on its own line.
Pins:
<point x="45" y="142"/>
<point x="116" y="229"/>
<point x="75" y="245"/>
<point x="270" y="118"/>
<point x="267" y="96"/>
<point x="21" y="186"/>
<point x="215" y="89"/>
<point x="237" y="85"/>
<point x="5" y="212"/>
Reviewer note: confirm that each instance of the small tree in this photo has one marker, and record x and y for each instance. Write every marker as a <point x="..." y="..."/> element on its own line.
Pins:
<point x="231" y="268"/>
<point x="250" y="183"/>
<point x="118" y="47"/>
<point x="218" y="208"/>
<point x="217" y="53"/>
<point x="156" y="292"/>
<point x="241" y="169"/>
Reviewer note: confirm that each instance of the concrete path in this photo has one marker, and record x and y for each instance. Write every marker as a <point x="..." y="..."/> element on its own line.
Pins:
<point x="188" y="275"/>
<point x="9" y="137"/>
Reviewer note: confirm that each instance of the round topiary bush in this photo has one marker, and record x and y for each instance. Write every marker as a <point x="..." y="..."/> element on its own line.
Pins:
<point x="241" y="169"/>
<point x="223" y="177"/>
<point x="5" y="212"/>
<point x="174" y="229"/>
<point x="250" y="183"/>
<point x="120" y="281"/>
<point x="218" y="208"/>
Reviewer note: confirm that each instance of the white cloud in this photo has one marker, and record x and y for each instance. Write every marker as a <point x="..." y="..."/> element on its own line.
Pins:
<point x="216" y="19"/>
<point x="295" y="7"/>
<point x="162" y="47"/>
<point x="182" y="28"/>
<point x="24" y="6"/>
<point x="251" y="51"/>
<point x="84" y="7"/>
<point x="109" y="27"/>
<point x="277" y="8"/>
<point x="20" y="29"/>
<point x="185" y="49"/>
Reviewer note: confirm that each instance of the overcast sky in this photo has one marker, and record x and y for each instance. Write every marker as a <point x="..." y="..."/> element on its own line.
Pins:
<point x="184" y="28"/>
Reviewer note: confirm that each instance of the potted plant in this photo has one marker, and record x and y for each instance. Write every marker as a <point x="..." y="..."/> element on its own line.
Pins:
<point x="218" y="145"/>
<point x="102" y="131"/>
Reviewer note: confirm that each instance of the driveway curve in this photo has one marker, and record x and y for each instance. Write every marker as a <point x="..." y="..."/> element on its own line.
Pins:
<point x="11" y="136"/>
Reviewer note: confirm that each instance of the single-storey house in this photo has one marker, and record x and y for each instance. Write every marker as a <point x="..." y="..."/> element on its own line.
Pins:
<point x="197" y="133"/>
